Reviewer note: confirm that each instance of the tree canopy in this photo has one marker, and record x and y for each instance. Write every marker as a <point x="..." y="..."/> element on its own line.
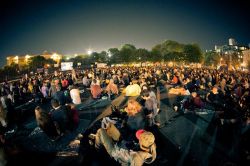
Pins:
<point x="167" y="51"/>
<point x="39" y="62"/>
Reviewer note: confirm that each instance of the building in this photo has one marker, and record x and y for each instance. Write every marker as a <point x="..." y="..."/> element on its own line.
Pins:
<point x="25" y="59"/>
<point x="232" y="42"/>
<point x="230" y="47"/>
<point x="246" y="58"/>
<point x="20" y="60"/>
<point x="231" y="53"/>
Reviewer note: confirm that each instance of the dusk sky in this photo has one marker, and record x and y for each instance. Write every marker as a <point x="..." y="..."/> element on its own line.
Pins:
<point x="68" y="27"/>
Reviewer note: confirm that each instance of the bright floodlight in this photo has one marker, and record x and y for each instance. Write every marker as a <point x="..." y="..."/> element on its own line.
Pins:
<point x="109" y="54"/>
<point x="89" y="52"/>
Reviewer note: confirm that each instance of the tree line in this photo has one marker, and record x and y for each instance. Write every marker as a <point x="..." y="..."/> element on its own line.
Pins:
<point x="166" y="51"/>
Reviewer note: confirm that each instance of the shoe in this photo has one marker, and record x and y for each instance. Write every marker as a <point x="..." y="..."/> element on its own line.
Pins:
<point x="92" y="136"/>
<point x="79" y="136"/>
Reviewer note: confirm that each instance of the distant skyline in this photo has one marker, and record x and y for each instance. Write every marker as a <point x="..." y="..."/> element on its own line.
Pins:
<point x="69" y="27"/>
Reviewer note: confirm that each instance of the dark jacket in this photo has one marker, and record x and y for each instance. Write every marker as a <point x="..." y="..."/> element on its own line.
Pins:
<point x="60" y="117"/>
<point x="59" y="96"/>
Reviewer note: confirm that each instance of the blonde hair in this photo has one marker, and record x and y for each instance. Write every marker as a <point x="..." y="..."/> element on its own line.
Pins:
<point x="133" y="107"/>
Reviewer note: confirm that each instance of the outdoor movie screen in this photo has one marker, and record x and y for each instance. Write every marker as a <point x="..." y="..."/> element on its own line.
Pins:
<point x="66" y="66"/>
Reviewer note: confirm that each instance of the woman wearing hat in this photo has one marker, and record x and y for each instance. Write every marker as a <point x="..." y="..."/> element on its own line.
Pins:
<point x="145" y="154"/>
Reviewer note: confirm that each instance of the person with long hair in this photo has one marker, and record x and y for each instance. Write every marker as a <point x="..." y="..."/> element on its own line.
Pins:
<point x="45" y="122"/>
<point x="133" y="107"/>
<point x="135" y="120"/>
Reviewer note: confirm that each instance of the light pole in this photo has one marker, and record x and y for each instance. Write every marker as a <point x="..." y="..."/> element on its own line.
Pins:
<point x="109" y="55"/>
<point x="89" y="51"/>
<point x="140" y="61"/>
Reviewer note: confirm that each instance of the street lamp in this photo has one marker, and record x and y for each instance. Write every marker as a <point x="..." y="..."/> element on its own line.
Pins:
<point x="109" y="57"/>
<point x="140" y="62"/>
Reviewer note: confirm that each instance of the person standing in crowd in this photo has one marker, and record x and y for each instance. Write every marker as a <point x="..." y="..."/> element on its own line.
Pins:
<point x="150" y="110"/>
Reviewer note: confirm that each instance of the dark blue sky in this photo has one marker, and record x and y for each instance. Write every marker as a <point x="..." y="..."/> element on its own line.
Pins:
<point x="73" y="26"/>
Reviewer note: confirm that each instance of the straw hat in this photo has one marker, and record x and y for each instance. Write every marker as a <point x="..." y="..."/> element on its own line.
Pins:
<point x="146" y="139"/>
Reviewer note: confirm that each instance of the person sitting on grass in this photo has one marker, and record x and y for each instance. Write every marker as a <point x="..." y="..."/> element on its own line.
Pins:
<point x="145" y="152"/>
<point x="112" y="88"/>
<point x="45" y="122"/>
<point x="59" y="116"/>
<point x="95" y="89"/>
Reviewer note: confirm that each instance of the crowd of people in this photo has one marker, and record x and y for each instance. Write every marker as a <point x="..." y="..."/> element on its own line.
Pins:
<point x="226" y="93"/>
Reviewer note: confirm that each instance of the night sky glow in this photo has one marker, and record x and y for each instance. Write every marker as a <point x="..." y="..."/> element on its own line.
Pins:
<point x="69" y="27"/>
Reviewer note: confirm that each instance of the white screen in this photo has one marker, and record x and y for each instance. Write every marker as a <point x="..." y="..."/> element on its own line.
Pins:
<point x="66" y="66"/>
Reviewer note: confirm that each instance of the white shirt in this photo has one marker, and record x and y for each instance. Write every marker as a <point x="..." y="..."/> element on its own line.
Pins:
<point x="75" y="96"/>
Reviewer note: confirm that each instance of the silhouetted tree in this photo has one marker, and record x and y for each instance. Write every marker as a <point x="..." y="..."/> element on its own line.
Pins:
<point x="193" y="53"/>
<point x="40" y="62"/>
<point x="115" y="55"/>
<point x="127" y="53"/>
<point x="141" y="55"/>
